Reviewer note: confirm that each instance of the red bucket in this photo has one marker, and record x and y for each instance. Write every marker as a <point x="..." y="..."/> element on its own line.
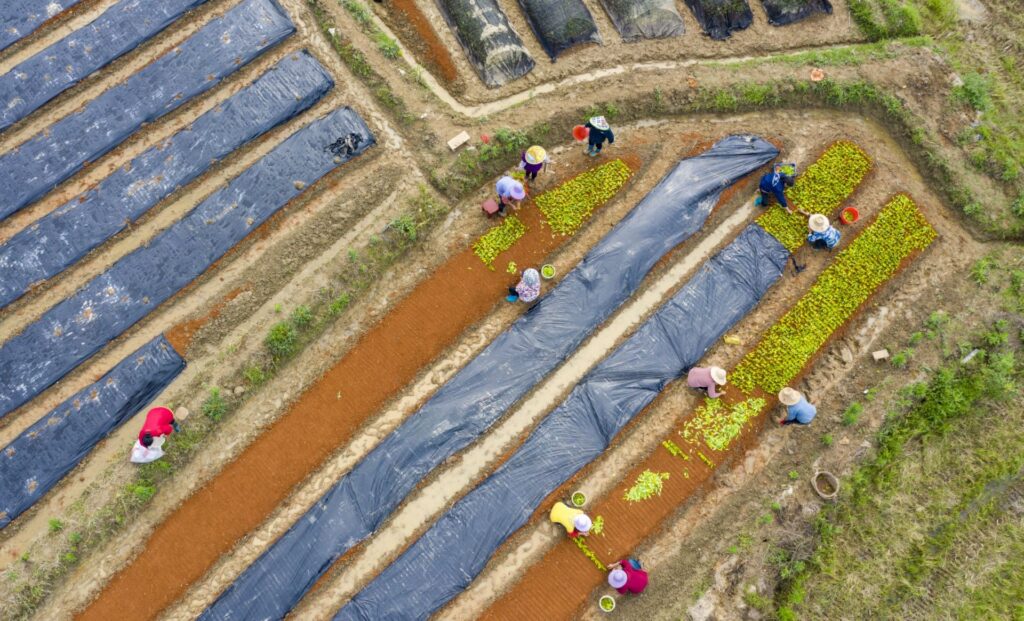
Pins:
<point x="849" y="215"/>
<point x="580" y="133"/>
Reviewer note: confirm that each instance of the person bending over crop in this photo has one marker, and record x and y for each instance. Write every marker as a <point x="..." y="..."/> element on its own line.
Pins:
<point x="575" y="522"/>
<point x="528" y="288"/>
<point x="510" y="192"/>
<point x="823" y="235"/>
<point x="798" y="409"/>
<point x="707" y="379"/>
<point x="159" y="424"/>
<point x="627" y="576"/>
<point x="774" y="183"/>
<point x="599" y="132"/>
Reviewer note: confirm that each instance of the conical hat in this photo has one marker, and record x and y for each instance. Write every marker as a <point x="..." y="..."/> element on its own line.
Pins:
<point x="718" y="374"/>
<point x="818" y="223"/>
<point x="788" y="396"/>
<point x="535" y="155"/>
<point x="599" y="122"/>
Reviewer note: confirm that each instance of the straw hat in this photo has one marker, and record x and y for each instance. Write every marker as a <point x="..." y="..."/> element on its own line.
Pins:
<point x="788" y="396"/>
<point x="582" y="523"/>
<point x="599" y="122"/>
<point x="536" y="154"/>
<point x="718" y="374"/>
<point x="818" y="223"/>
<point x="517" y="192"/>
<point x="181" y="414"/>
<point x="617" y="578"/>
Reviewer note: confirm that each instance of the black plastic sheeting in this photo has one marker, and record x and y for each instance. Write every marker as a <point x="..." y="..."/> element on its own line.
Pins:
<point x="217" y="50"/>
<point x="720" y="18"/>
<point x="446" y="559"/>
<point x="493" y="47"/>
<point x="119" y="30"/>
<point x="110" y="303"/>
<point x="644" y="19"/>
<point x="481" y="393"/>
<point x="20" y="18"/>
<point x="560" y="24"/>
<point x="40" y="457"/>
<point x="65" y="235"/>
<point x="784" y="12"/>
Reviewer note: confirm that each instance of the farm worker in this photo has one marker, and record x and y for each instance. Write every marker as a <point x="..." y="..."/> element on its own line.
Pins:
<point x="510" y="192"/>
<point x="707" y="378"/>
<point x="627" y="576"/>
<point x="823" y="235"/>
<point x="533" y="160"/>
<point x="798" y="409"/>
<point x="575" y="522"/>
<point x="159" y="423"/>
<point x="599" y="132"/>
<point x="774" y="183"/>
<point x="528" y="288"/>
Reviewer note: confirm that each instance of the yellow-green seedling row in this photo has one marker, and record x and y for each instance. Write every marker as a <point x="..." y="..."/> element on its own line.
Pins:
<point x="718" y="424"/>
<point x="822" y="188"/>
<point x="869" y="261"/>
<point x="499" y="239"/>
<point x="648" y="484"/>
<point x="568" y="206"/>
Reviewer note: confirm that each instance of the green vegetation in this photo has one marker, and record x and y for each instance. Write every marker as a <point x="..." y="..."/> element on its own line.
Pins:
<point x="870" y="260"/>
<point x="498" y="239"/>
<point x="281" y="341"/>
<point x="718" y="424"/>
<point x="56" y="525"/>
<point x="214" y="407"/>
<point x="852" y="414"/>
<point x="568" y="206"/>
<point x="648" y="484"/>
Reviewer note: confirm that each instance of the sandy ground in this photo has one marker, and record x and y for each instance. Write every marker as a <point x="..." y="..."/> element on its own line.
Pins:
<point x="295" y="257"/>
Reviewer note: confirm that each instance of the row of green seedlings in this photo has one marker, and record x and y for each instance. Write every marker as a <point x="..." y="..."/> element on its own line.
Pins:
<point x="93" y="527"/>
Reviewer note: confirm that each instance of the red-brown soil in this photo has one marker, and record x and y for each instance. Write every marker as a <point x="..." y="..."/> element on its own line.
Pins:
<point x="181" y="335"/>
<point x="421" y="38"/>
<point x="387" y="358"/>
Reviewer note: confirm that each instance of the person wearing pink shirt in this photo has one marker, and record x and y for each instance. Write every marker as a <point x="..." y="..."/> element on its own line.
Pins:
<point x="627" y="576"/>
<point x="706" y="378"/>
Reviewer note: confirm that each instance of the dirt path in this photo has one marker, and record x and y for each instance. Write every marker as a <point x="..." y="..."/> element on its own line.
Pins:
<point x="326" y="416"/>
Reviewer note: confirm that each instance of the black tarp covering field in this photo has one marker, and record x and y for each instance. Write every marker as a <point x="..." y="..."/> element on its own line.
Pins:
<point x="112" y="302"/>
<point x="484" y="390"/>
<point x="560" y="24"/>
<point x="40" y="457"/>
<point x="644" y="19"/>
<point x="493" y="47"/>
<point x="217" y="50"/>
<point x="63" y="236"/>
<point x="119" y="30"/>
<point x="783" y="12"/>
<point x="449" y="556"/>
<point x="720" y="18"/>
<point x="20" y="18"/>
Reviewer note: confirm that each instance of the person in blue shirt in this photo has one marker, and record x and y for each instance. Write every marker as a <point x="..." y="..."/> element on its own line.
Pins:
<point x="798" y="409"/>
<point x="774" y="183"/>
<point x="510" y="192"/>
<point x="823" y="235"/>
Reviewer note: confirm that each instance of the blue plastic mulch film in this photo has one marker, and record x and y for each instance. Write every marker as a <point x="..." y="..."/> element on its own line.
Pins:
<point x="65" y="235"/>
<point x="40" y="457"/>
<point x="447" y="558"/>
<point x="20" y="18"/>
<point x="217" y="50"/>
<point x="644" y="19"/>
<point x="493" y="47"/>
<point x="560" y="24"/>
<point x="119" y="30"/>
<point x="112" y="302"/>
<point x="483" y="391"/>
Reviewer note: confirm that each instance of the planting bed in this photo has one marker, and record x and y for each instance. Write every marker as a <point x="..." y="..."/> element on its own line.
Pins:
<point x="21" y="18"/>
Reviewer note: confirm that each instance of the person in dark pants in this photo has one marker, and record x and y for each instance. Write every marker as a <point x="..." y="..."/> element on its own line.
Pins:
<point x="774" y="184"/>
<point x="599" y="132"/>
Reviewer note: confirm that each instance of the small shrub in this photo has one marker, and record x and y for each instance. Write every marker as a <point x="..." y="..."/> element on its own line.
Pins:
<point x="339" y="304"/>
<point x="254" y="375"/>
<point x="214" y="407"/>
<point x="981" y="269"/>
<point x="25" y="557"/>
<point x="852" y="413"/>
<point x="75" y="538"/>
<point x="975" y="92"/>
<point x="56" y="525"/>
<point x="776" y="506"/>
<point x="793" y="475"/>
<point x="70" y="558"/>
<point x="916" y="338"/>
<point x="901" y="359"/>
<point x="405" y="226"/>
<point x="142" y="493"/>
<point x="387" y="46"/>
<point x="827" y="439"/>
<point x="281" y="341"/>
<point x="302" y="316"/>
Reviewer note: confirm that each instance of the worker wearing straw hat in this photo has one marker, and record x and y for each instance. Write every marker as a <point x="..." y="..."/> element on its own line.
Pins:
<point x="533" y="160"/>
<point x="706" y="378"/>
<point x="599" y="132"/>
<point x="575" y="522"/>
<point x="798" y="409"/>
<point x="823" y="235"/>
<point x="510" y="192"/>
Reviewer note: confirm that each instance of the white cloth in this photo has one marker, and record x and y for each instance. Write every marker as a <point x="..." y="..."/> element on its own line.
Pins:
<point x="144" y="455"/>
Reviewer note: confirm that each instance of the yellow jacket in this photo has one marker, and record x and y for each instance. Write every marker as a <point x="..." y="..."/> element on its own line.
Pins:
<point x="564" y="515"/>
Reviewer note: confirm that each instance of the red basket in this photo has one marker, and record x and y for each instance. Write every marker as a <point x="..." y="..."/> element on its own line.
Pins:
<point x="849" y="215"/>
<point x="580" y="133"/>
